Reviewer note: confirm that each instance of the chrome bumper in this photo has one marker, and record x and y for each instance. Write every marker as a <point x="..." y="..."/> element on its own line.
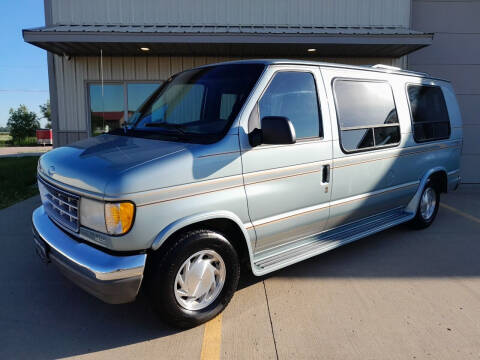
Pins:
<point x="113" y="279"/>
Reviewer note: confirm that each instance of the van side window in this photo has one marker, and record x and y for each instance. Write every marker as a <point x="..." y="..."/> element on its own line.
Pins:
<point x="367" y="116"/>
<point x="429" y="113"/>
<point x="293" y="95"/>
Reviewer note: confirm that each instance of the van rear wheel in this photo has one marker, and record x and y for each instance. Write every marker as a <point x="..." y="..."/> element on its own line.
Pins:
<point x="194" y="280"/>
<point x="427" y="206"/>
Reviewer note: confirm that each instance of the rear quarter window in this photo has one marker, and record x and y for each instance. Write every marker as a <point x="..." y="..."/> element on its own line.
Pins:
<point x="429" y="113"/>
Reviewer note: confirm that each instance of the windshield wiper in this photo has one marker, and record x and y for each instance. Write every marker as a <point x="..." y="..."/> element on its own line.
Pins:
<point x="175" y="127"/>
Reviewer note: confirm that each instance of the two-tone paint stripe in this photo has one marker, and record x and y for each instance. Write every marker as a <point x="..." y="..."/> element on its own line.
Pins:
<point x="347" y="161"/>
<point x="340" y="202"/>
<point x="230" y="182"/>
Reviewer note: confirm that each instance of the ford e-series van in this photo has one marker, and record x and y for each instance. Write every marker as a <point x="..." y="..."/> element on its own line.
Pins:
<point x="251" y="164"/>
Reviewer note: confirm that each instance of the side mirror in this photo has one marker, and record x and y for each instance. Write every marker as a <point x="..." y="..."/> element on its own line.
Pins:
<point x="275" y="130"/>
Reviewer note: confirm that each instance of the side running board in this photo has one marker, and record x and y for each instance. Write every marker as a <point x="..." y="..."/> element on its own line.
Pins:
<point x="271" y="260"/>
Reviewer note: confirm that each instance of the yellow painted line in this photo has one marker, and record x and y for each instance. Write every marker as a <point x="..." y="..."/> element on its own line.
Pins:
<point x="212" y="339"/>
<point x="461" y="213"/>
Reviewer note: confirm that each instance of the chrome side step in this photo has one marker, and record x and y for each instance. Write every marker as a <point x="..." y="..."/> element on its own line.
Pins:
<point x="274" y="259"/>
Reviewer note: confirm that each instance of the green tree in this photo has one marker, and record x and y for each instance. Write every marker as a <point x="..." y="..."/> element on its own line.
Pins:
<point x="22" y="123"/>
<point x="46" y="113"/>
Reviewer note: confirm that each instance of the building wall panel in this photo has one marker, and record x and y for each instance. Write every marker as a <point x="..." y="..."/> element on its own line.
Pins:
<point x="450" y="16"/>
<point x="470" y="168"/>
<point x="454" y="55"/>
<point x="69" y="79"/>
<point x="152" y="68"/>
<point x="117" y="68"/>
<point x="471" y="139"/>
<point x="93" y="67"/>
<point x="449" y="49"/>
<point x="463" y="77"/>
<point x="62" y="138"/>
<point x="79" y="92"/>
<point x="469" y="105"/>
<point x="62" y="125"/>
<point x="128" y="68"/>
<point x="141" y="68"/>
<point x="164" y="67"/>
<point x="234" y="12"/>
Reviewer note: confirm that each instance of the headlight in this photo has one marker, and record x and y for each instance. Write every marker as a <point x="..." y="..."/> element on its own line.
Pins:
<point x="111" y="218"/>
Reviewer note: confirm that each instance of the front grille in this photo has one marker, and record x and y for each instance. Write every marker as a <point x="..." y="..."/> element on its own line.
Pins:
<point x="60" y="205"/>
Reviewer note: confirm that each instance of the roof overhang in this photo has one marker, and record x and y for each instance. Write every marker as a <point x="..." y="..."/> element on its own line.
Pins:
<point x="123" y="40"/>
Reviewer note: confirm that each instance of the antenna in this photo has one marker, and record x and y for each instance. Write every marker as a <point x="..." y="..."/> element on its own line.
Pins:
<point x="103" y="98"/>
<point x="101" y="68"/>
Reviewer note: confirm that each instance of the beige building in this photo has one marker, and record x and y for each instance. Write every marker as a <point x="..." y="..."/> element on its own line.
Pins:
<point x="130" y="46"/>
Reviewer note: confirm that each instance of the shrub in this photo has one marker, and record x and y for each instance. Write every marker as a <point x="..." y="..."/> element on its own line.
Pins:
<point x="22" y="123"/>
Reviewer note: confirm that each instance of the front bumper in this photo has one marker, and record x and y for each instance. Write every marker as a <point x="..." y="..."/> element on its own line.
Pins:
<point x="113" y="279"/>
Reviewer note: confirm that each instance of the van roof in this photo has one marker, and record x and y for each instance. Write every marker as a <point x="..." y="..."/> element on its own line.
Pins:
<point x="377" y="68"/>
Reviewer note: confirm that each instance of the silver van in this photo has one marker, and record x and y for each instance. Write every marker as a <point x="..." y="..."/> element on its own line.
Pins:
<point x="250" y="164"/>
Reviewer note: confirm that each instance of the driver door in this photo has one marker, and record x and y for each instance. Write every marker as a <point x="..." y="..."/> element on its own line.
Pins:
<point x="288" y="186"/>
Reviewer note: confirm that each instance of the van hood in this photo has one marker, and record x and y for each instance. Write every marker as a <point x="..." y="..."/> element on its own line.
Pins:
<point x="92" y="163"/>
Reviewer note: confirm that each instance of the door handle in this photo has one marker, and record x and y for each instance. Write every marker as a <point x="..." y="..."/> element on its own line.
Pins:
<point x="325" y="174"/>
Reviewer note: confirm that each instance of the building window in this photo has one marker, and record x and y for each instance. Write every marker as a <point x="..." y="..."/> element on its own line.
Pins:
<point x="115" y="103"/>
<point x="367" y="116"/>
<point x="293" y="95"/>
<point x="429" y="113"/>
<point x="107" y="107"/>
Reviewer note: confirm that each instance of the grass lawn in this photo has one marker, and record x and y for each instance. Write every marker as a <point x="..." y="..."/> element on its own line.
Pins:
<point x="18" y="179"/>
<point x="5" y="139"/>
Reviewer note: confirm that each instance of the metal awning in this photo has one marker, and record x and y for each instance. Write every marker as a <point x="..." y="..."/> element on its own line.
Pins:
<point x="217" y="40"/>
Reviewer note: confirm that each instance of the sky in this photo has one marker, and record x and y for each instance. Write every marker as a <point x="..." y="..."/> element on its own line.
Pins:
<point x="23" y="67"/>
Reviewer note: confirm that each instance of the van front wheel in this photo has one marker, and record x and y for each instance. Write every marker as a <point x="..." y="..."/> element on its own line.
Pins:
<point x="194" y="279"/>
<point x="427" y="207"/>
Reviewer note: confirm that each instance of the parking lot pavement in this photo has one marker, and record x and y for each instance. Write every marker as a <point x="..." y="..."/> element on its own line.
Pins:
<point x="400" y="294"/>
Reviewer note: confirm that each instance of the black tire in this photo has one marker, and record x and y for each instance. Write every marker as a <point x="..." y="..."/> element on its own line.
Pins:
<point x="419" y="221"/>
<point x="163" y="269"/>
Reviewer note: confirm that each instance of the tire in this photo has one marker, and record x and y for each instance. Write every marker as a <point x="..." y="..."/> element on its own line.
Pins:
<point x="425" y="217"/>
<point x="169" y="274"/>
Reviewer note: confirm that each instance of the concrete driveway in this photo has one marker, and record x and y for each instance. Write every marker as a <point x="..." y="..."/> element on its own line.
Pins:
<point x="401" y="294"/>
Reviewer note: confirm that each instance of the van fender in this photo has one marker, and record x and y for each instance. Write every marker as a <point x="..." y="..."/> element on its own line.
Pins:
<point x="193" y="219"/>
<point x="413" y="204"/>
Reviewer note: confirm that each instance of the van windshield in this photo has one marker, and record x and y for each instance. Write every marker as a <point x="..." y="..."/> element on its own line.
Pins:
<point x="197" y="105"/>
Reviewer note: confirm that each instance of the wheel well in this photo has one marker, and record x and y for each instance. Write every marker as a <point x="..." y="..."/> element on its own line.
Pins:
<point x="440" y="179"/>
<point x="224" y="226"/>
